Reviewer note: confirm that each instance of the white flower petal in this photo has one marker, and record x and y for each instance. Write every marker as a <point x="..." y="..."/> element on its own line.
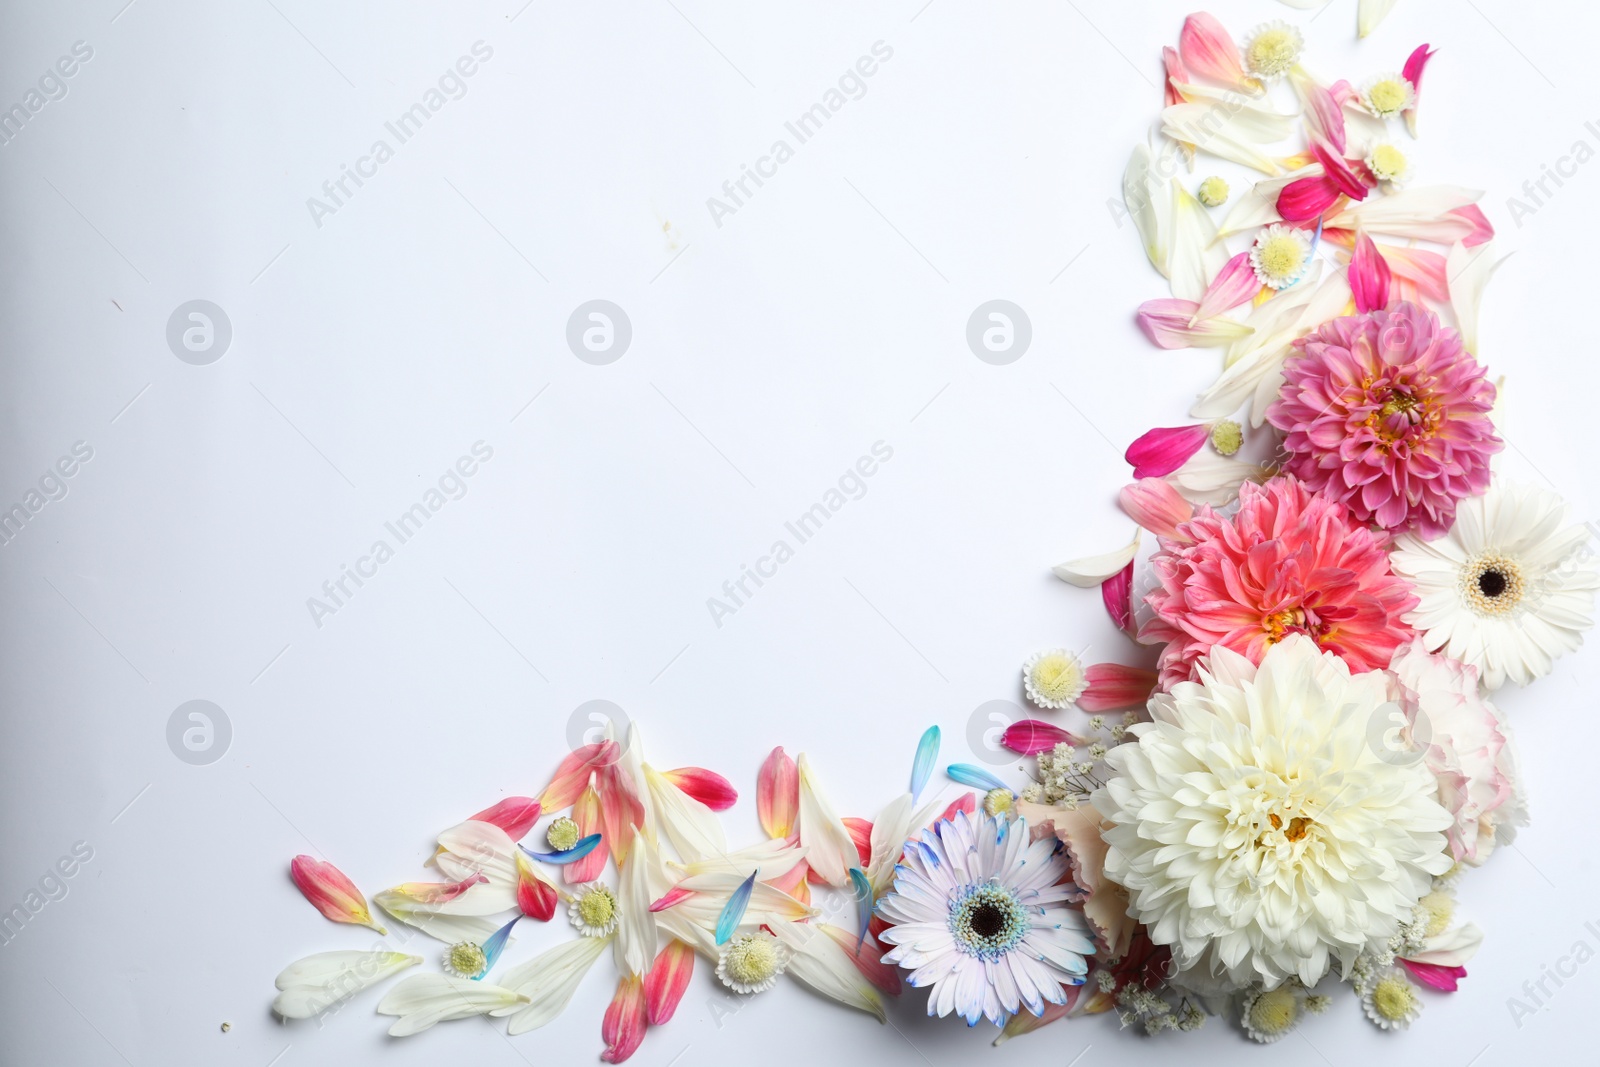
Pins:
<point x="693" y="828"/>
<point x="829" y="848"/>
<point x="1091" y="571"/>
<point x="1370" y="13"/>
<point x="1196" y="256"/>
<point x="548" y="981"/>
<point x="1469" y="271"/>
<point x="819" y="962"/>
<point x="635" y="946"/>
<point x="425" y="999"/>
<point x="312" y="985"/>
<point x="1144" y="195"/>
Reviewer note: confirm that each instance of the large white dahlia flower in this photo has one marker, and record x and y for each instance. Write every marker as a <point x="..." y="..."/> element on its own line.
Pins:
<point x="1259" y="828"/>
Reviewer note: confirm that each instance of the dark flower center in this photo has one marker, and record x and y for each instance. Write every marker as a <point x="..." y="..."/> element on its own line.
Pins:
<point x="1492" y="583"/>
<point x="987" y="920"/>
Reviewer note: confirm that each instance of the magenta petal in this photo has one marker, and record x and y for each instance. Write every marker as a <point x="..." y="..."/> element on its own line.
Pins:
<point x="1117" y="592"/>
<point x="1435" y="976"/>
<point x="1370" y="276"/>
<point x="1325" y="116"/>
<point x="1307" y="198"/>
<point x="1339" y="172"/>
<point x="1030" y="737"/>
<point x="1162" y="451"/>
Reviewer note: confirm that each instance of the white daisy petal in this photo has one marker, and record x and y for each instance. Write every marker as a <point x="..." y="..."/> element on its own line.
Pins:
<point x="423" y="1000"/>
<point x="315" y="984"/>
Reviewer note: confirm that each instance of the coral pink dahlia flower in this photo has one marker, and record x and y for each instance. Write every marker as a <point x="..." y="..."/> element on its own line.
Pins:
<point x="1388" y="413"/>
<point x="1289" y="562"/>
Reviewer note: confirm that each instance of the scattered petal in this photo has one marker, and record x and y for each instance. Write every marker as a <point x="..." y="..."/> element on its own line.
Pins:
<point x="667" y="981"/>
<point x="778" y="794"/>
<point x="330" y="892"/>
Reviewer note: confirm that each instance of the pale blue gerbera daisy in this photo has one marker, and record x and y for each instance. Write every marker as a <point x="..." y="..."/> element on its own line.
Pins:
<point x="979" y="917"/>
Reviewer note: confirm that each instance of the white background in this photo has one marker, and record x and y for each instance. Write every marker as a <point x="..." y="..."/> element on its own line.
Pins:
<point x="768" y="354"/>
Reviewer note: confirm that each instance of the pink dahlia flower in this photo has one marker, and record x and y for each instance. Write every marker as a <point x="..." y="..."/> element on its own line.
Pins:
<point x="1289" y="562"/>
<point x="1388" y="413"/>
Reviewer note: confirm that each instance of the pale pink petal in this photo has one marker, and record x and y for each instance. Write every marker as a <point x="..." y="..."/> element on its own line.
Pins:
<point x="1156" y="506"/>
<point x="514" y="815"/>
<point x="1114" y="687"/>
<point x="574" y="773"/>
<point x="778" y="794"/>
<point x="1209" y="52"/>
<point x="1176" y="72"/>
<point x="1171" y="323"/>
<point x="587" y="813"/>
<point x="868" y="958"/>
<point x="1482" y="229"/>
<point x="1235" y="284"/>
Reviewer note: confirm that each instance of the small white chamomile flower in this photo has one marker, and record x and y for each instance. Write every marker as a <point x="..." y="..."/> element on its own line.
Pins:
<point x="1054" y="679"/>
<point x="1387" y="95"/>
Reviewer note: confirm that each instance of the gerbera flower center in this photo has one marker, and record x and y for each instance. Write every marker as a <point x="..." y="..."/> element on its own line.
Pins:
<point x="1274" y="1012"/>
<point x="1280" y="257"/>
<point x="597" y="907"/>
<point x="1056" y="676"/>
<point x="987" y="920"/>
<point x="1273" y="51"/>
<point x="1387" y="162"/>
<point x="750" y="960"/>
<point x="465" y="959"/>
<point x="562" y="834"/>
<point x="1493" y="585"/>
<point x="1387" y="96"/>
<point x="1393" y="998"/>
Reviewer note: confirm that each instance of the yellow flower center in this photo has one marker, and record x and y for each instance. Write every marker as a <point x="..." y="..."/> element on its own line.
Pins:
<point x="1441" y="909"/>
<point x="466" y="958"/>
<point x="1055" y="676"/>
<point x="1388" y="161"/>
<point x="1226" y="437"/>
<point x="1274" y="1012"/>
<point x="1281" y="257"/>
<point x="562" y="834"/>
<point x="1272" y="52"/>
<point x="597" y="907"/>
<point x="750" y="960"/>
<point x="1394" y="998"/>
<point x="1387" y="96"/>
<point x="1213" y="192"/>
<point x="997" y="801"/>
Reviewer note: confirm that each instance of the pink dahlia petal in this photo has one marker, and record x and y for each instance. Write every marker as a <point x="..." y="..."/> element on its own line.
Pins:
<point x="1388" y="414"/>
<point x="1370" y="276"/>
<point x="1157" y="506"/>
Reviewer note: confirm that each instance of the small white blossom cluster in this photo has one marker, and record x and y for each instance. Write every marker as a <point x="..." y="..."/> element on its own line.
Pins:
<point x="1138" y="1006"/>
<point x="1067" y="774"/>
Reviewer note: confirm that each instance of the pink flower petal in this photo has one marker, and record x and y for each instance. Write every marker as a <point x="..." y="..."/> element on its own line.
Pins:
<point x="1157" y="506"/>
<point x="330" y="892"/>
<point x="1159" y="452"/>
<point x="1031" y="737"/>
<point x="1336" y="169"/>
<point x="536" y="898"/>
<point x="778" y="794"/>
<point x="1209" y="52"/>
<point x="574" y="773"/>
<point x="1236" y="283"/>
<point x="676" y="896"/>
<point x="1324" y="115"/>
<point x="1117" y="593"/>
<point x="1114" y="687"/>
<point x="1307" y="198"/>
<point x="1435" y="976"/>
<point x="1369" y="276"/>
<point x="708" y="787"/>
<point x="861" y="834"/>
<point x="514" y="815"/>
<point x="1171" y="323"/>
<point x="868" y="958"/>
<point x="1176" y="72"/>
<point x="1415" y="65"/>
<point x="667" y="981"/>
<point x="625" y="1021"/>
<point x="1482" y="229"/>
<point x="588" y="814"/>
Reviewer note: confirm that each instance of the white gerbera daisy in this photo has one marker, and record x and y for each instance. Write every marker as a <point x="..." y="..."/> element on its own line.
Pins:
<point x="751" y="963"/>
<point x="1280" y="255"/>
<point x="1054" y="679"/>
<point x="1257" y="832"/>
<point x="1272" y="50"/>
<point x="593" y="910"/>
<point x="979" y="917"/>
<point x="1509" y="588"/>
<point x="1388" y="95"/>
<point x="1391" y="1001"/>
